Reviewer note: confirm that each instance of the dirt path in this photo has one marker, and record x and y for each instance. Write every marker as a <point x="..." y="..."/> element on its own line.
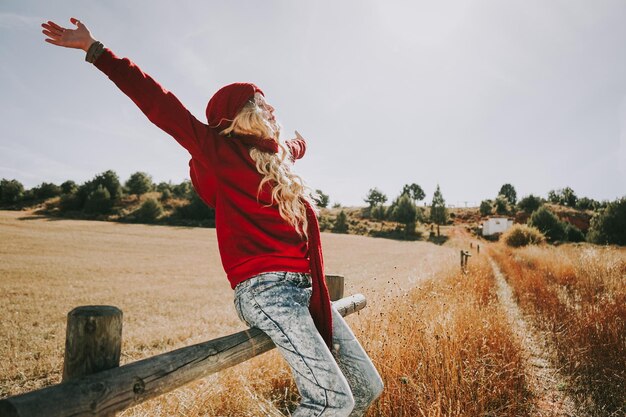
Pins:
<point x="544" y="379"/>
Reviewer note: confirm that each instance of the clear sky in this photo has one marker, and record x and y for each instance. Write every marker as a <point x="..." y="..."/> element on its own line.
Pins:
<point x="466" y="94"/>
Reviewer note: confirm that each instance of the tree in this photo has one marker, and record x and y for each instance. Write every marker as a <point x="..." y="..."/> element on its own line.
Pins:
<point x="568" y="197"/>
<point x="375" y="197"/>
<point x="183" y="190"/>
<point x="609" y="225"/>
<point x="108" y="180"/>
<point x="501" y="204"/>
<point x="405" y="212"/>
<point x="99" y="201"/>
<point x="341" y="223"/>
<point x="485" y="208"/>
<point x="508" y="191"/>
<point x="529" y="203"/>
<point x="414" y="191"/>
<point x="564" y="196"/>
<point x="553" y="197"/>
<point x="69" y="187"/>
<point x="11" y="191"/>
<point x="139" y="183"/>
<point x="438" y="211"/>
<point x="46" y="190"/>
<point x="378" y="212"/>
<point x="585" y="203"/>
<point x="547" y="222"/>
<point x="321" y="199"/>
<point x="162" y="186"/>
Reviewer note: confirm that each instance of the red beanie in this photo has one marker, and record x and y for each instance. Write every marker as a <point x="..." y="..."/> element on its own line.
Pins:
<point x="228" y="102"/>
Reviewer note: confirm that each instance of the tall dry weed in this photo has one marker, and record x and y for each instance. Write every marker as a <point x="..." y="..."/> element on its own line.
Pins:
<point x="445" y="349"/>
<point x="578" y="294"/>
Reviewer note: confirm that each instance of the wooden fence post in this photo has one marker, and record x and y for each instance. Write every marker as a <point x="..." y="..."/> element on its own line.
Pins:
<point x="335" y="284"/>
<point x="93" y="340"/>
<point x="116" y="389"/>
<point x="464" y="257"/>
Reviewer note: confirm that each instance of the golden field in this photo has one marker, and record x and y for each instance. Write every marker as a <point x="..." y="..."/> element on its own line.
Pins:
<point x="442" y="341"/>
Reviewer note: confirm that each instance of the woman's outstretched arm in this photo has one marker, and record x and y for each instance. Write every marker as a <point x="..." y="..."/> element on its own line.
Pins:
<point x="159" y="105"/>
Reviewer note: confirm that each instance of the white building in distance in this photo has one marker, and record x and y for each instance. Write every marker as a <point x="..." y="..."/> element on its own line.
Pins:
<point x="495" y="225"/>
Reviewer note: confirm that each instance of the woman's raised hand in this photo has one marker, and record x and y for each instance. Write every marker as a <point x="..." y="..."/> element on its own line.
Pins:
<point x="79" y="38"/>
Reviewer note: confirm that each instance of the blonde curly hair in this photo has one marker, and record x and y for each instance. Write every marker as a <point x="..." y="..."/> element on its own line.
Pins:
<point x="288" y="190"/>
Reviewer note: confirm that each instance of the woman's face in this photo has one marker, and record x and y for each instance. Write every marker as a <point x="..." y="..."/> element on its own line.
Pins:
<point x="268" y="109"/>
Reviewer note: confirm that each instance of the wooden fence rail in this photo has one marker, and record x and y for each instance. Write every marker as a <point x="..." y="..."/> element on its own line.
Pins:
<point x="107" y="392"/>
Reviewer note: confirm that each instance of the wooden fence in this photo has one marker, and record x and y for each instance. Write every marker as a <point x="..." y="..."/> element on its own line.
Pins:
<point x="95" y="385"/>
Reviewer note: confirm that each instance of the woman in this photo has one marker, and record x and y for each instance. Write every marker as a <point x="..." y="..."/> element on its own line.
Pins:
<point x="266" y="226"/>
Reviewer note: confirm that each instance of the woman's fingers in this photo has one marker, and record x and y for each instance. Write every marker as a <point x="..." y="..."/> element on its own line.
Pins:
<point x="53" y="41"/>
<point x="55" y="26"/>
<point x="51" y="30"/>
<point x="50" y="34"/>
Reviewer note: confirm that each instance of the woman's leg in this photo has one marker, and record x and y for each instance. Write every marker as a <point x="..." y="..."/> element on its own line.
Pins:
<point x="365" y="382"/>
<point x="277" y="304"/>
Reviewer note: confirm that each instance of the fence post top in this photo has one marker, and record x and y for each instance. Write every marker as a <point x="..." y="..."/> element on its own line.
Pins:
<point x="96" y="310"/>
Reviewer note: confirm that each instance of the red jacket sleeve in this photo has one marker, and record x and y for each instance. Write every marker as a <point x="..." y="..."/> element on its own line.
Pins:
<point x="159" y="105"/>
<point x="297" y="148"/>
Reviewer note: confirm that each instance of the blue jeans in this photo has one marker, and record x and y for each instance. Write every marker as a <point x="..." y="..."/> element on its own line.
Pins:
<point x="341" y="383"/>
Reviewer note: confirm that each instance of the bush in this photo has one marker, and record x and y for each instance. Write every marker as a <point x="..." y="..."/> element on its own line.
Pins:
<point x="11" y="191"/>
<point x="341" y="223"/>
<point x="522" y="235"/>
<point x="183" y="190"/>
<point x="501" y="204"/>
<point x="197" y="210"/>
<point x="46" y="190"/>
<point x="547" y="222"/>
<point x="149" y="212"/>
<point x="99" y="201"/>
<point x="609" y="225"/>
<point x="573" y="233"/>
<point x="139" y="183"/>
<point x="70" y="202"/>
<point x="162" y="186"/>
<point x="166" y="195"/>
<point x="529" y="203"/>
<point x="485" y="207"/>
<point x="107" y="180"/>
<point x="586" y="203"/>
<point x="378" y="212"/>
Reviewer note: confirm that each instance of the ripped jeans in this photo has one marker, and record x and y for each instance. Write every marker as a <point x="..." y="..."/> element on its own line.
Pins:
<point x="342" y="383"/>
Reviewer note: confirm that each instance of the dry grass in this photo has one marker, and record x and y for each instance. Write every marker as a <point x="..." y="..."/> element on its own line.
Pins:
<point x="446" y="349"/>
<point x="578" y="294"/>
<point x="168" y="281"/>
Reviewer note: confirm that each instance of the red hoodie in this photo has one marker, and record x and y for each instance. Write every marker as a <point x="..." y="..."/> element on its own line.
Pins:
<point x="252" y="236"/>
